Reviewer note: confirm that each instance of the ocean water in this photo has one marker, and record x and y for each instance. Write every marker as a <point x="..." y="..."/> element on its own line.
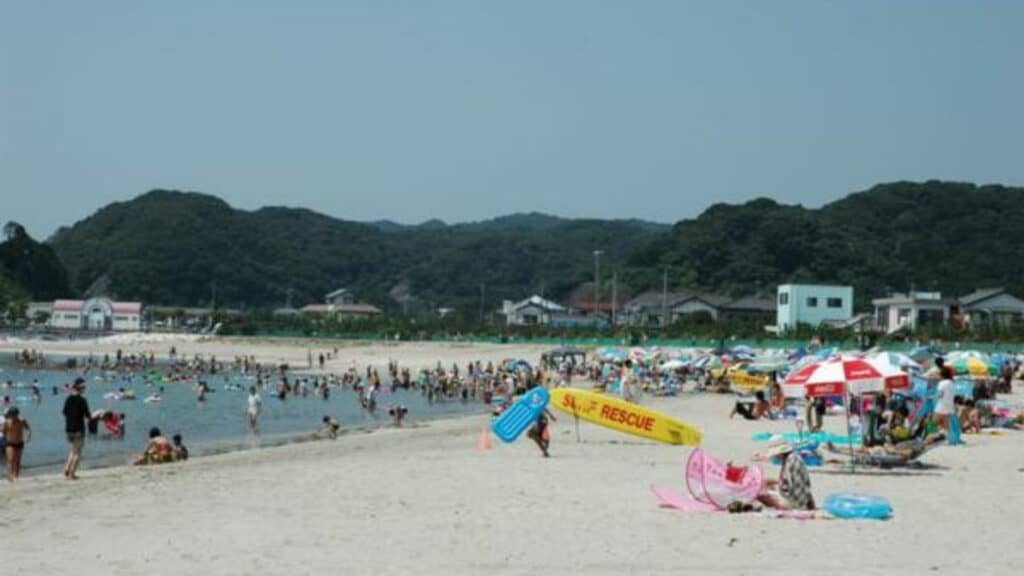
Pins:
<point x="218" y="424"/>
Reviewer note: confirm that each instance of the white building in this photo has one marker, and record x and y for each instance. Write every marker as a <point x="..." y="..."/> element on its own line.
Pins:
<point x="530" y="312"/>
<point x="909" y="311"/>
<point x="97" y="314"/>
<point x="812" y="304"/>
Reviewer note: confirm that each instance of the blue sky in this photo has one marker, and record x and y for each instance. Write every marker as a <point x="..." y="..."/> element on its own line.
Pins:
<point x="469" y="110"/>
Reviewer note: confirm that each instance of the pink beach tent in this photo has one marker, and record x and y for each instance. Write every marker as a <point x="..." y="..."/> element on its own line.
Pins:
<point x="714" y="482"/>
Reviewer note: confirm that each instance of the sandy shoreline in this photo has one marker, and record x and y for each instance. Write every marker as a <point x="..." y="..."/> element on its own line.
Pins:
<point x="427" y="501"/>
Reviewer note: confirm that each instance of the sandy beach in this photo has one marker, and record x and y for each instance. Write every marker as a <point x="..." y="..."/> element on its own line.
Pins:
<point x="426" y="500"/>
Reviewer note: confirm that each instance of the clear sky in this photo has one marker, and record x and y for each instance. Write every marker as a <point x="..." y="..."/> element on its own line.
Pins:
<point x="468" y="110"/>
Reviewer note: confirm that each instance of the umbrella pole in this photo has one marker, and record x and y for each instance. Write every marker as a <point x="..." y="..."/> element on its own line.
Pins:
<point x="576" y="418"/>
<point x="849" y="439"/>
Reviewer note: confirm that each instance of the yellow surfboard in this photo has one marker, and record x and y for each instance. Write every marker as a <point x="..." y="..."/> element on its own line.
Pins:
<point x="617" y="414"/>
<point x="748" y="381"/>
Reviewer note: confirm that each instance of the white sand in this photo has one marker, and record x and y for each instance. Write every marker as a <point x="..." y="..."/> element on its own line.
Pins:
<point x="426" y="501"/>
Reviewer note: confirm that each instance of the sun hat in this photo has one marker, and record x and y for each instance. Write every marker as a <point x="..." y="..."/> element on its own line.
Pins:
<point x="779" y="450"/>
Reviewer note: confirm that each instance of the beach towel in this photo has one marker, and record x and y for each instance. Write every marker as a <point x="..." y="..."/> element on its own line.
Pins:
<point x="796" y="484"/>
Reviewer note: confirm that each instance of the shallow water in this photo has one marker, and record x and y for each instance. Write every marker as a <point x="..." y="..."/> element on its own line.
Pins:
<point x="217" y="424"/>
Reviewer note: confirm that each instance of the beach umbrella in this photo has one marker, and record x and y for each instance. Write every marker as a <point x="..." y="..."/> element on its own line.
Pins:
<point x="973" y="367"/>
<point x="611" y="353"/>
<point x="767" y="364"/>
<point x="673" y="364"/>
<point x="709" y="362"/>
<point x="842" y="375"/>
<point x="899" y="360"/>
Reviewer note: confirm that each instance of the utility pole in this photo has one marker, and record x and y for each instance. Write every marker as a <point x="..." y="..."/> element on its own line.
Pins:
<point x="597" y="279"/>
<point x="483" y="292"/>
<point x="615" y="295"/>
<point x="664" y="297"/>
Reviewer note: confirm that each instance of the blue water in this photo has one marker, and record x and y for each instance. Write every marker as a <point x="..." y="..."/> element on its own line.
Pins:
<point x="217" y="424"/>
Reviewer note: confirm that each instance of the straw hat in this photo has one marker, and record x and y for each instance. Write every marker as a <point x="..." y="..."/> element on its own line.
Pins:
<point x="779" y="450"/>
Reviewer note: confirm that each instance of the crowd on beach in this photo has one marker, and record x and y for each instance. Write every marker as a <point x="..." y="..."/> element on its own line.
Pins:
<point x="888" y="427"/>
<point x="476" y="381"/>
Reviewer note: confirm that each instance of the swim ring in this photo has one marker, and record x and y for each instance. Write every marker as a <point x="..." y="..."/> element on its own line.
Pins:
<point x="852" y="505"/>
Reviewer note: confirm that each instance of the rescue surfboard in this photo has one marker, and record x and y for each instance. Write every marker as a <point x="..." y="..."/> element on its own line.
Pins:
<point x="521" y="415"/>
<point x="617" y="414"/>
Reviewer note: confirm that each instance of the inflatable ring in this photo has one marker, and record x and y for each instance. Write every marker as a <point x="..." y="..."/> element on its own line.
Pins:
<point x="850" y="505"/>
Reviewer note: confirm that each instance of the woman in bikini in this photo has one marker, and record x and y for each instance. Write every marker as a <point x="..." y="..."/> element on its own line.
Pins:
<point x="16" y="432"/>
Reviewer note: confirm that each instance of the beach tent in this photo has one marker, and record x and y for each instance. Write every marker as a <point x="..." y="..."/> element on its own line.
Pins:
<point x="562" y="352"/>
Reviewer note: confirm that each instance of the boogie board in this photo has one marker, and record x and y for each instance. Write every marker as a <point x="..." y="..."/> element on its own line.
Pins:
<point x="521" y="415"/>
<point x="617" y="414"/>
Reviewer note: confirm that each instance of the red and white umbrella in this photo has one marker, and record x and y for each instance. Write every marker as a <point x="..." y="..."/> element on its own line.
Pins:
<point x="840" y="375"/>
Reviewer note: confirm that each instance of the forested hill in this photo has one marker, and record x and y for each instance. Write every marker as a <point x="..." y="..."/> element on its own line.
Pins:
<point x="171" y="247"/>
<point x="28" y="269"/>
<point x="948" y="237"/>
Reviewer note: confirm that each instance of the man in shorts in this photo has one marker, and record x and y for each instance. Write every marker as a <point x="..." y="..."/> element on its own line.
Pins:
<point x="76" y="417"/>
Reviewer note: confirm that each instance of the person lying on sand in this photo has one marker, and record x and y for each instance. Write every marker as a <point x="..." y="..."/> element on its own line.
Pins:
<point x="907" y="450"/>
<point x="759" y="409"/>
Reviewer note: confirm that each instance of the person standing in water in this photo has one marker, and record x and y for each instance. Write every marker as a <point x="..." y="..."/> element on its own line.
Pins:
<point x="16" y="433"/>
<point x="255" y="407"/>
<point x="76" y="416"/>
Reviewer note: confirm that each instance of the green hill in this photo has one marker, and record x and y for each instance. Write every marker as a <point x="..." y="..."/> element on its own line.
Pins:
<point x="171" y="247"/>
<point x="28" y="270"/>
<point x="950" y="237"/>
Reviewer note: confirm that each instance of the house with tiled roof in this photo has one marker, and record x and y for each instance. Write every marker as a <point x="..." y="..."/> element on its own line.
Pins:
<point x="992" y="306"/>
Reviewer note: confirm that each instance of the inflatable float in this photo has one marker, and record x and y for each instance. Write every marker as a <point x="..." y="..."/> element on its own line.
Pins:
<point x="851" y="505"/>
<point x="518" y="417"/>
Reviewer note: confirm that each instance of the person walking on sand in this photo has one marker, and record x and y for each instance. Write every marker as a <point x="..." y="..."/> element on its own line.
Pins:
<point x="540" y="432"/>
<point x="253" y="412"/>
<point x="16" y="433"/>
<point x="76" y="416"/>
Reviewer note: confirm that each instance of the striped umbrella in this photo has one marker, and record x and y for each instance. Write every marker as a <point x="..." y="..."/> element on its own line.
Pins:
<point x="841" y="375"/>
<point x="974" y="367"/>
